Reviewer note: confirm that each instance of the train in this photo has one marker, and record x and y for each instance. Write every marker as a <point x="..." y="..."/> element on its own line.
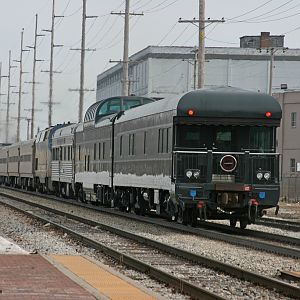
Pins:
<point x="207" y="154"/>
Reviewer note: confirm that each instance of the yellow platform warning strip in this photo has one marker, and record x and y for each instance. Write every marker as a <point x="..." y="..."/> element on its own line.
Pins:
<point x="101" y="279"/>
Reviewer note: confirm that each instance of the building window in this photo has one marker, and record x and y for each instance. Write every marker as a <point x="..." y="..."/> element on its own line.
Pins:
<point x="99" y="151"/>
<point x="293" y="119"/>
<point x="292" y="165"/>
<point x="95" y="151"/>
<point x="103" y="151"/>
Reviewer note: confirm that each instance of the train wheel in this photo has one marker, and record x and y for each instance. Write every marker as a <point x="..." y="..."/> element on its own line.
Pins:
<point x="233" y="222"/>
<point x="243" y="223"/>
<point x="182" y="216"/>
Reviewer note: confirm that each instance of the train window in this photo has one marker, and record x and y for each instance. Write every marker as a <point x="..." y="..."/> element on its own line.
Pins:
<point x="169" y="139"/>
<point x="145" y="141"/>
<point x="109" y="107"/>
<point x="262" y="139"/>
<point x="131" y="144"/>
<point x="163" y="140"/>
<point x="121" y="145"/>
<point x="130" y="103"/>
<point x="68" y="152"/>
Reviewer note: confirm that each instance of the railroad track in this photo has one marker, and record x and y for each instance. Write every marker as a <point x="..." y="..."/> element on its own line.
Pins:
<point x="235" y="236"/>
<point x="279" y="223"/>
<point x="157" y="259"/>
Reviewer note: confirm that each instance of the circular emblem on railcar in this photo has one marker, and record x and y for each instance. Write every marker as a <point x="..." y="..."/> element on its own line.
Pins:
<point x="228" y="163"/>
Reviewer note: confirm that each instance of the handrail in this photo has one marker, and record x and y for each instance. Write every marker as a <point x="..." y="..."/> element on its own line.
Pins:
<point x="232" y="153"/>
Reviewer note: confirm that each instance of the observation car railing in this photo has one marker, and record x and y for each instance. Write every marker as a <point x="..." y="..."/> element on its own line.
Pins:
<point x="208" y="165"/>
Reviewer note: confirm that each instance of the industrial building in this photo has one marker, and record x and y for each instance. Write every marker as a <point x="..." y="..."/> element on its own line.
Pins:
<point x="289" y="143"/>
<point x="163" y="71"/>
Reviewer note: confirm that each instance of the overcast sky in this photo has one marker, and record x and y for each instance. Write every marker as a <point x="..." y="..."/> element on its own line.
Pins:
<point x="158" y="26"/>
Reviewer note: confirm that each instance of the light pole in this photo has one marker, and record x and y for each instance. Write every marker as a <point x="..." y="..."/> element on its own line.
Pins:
<point x="113" y="121"/>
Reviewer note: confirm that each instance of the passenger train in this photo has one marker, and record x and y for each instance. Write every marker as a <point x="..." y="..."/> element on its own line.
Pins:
<point x="208" y="154"/>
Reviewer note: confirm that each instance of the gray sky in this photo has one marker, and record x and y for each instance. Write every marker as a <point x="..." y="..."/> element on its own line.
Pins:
<point x="158" y="26"/>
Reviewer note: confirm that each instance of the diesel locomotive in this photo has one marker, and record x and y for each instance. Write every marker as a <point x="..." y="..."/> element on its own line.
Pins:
<point x="208" y="154"/>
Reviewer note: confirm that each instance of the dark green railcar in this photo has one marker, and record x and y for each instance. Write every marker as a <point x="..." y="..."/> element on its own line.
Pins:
<point x="209" y="154"/>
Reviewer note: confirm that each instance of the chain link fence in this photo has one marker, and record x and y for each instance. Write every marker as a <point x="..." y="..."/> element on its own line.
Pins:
<point x="290" y="188"/>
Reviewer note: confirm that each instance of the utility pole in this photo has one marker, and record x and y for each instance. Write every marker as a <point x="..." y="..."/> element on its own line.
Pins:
<point x="125" y="83"/>
<point x="125" y="62"/>
<point x="51" y="72"/>
<point x="8" y="97"/>
<point x="1" y="76"/>
<point x="34" y="82"/>
<point x="272" y="51"/>
<point x="201" y="48"/>
<point x="201" y="35"/>
<point x="20" y="61"/>
<point x="82" y="61"/>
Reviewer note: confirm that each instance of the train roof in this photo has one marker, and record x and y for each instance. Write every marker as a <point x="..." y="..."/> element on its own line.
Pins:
<point x="65" y="131"/>
<point x="214" y="102"/>
<point x="228" y="102"/>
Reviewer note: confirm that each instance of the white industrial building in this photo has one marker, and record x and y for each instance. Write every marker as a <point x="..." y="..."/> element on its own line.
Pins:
<point x="159" y="71"/>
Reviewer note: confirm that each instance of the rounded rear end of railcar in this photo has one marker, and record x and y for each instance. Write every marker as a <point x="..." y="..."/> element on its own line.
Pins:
<point x="225" y="164"/>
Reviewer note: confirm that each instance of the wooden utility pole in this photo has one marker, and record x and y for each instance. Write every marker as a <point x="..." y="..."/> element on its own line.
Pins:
<point x="125" y="62"/>
<point x="82" y="50"/>
<point x="51" y="71"/>
<point x="82" y="57"/>
<point x="34" y="82"/>
<point x="20" y="92"/>
<point x="201" y="47"/>
<point x="8" y="97"/>
<point x="125" y="79"/>
<point x="1" y="76"/>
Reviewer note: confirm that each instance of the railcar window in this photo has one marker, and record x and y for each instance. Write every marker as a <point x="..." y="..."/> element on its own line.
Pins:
<point x="145" y="141"/>
<point x="129" y="103"/>
<point x="121" y="145"/>
<point x="225" y="138"/>
<point x="131" y="150"/>
<point x="109" y="107"/>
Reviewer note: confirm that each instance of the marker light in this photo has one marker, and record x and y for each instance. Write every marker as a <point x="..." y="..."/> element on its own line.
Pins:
<point x="267" y="175"/>
<point x="259" y="176"/>
<point x="190" y="112"/>
<point x="196" y="174"/>
<point x="189" y="174"/>
<point x="268" y="114"/>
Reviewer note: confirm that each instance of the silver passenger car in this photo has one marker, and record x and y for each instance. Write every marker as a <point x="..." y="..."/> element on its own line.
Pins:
<point x="62" y="165"/>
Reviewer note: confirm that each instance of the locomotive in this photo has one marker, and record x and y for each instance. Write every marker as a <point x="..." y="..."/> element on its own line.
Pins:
<point x="208" y="154"/>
